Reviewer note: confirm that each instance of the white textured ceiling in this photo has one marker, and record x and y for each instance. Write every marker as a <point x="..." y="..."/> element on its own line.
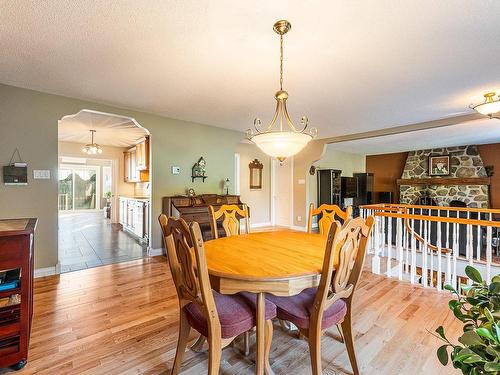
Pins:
<point x="110" y="130"/>
<point x="467" y="133"/>
<point x="350" y="66"/>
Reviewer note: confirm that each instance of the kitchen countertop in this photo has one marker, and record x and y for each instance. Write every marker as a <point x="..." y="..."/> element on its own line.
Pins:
<point x="144" y="199"/>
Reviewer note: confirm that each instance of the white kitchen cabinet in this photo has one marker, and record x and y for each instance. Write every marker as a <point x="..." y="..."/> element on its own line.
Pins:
<point x="134" y="217"/>
<point x="137" y="162"/>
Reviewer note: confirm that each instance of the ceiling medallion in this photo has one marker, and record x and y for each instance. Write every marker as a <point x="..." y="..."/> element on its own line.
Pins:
<point x="490" y="106"/>
<point x="281" y="138"/>
<point x="92" y="148"/>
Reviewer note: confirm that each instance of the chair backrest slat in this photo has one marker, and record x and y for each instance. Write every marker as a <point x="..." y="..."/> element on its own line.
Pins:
<point x="187" y="261"/>
<point x="328" y="213"/>
<point x="231" y="214"/>
<point x="344" y="258"/>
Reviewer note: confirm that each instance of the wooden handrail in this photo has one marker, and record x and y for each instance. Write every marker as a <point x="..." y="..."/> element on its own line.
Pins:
<point x="420" y="239"/>
<point x="380" y="206"/>
<point x="484" y="223"/>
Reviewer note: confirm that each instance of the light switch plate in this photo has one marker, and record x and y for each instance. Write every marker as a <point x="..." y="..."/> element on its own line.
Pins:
<point x="176" y="170"/>
<point x="41" y="174"/>
<point x="301" y="181"/>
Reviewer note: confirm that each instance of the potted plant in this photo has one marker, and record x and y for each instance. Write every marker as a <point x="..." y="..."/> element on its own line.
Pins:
<point x="478" y="350"/>
<point x="107" y="210"/>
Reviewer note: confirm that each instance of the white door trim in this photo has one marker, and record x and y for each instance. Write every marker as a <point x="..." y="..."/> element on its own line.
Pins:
<point x="274" y="165"/>
<point x="237" y="174"/>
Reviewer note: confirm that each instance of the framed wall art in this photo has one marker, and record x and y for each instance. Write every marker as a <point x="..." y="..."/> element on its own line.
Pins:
<point x="439" y="165"/>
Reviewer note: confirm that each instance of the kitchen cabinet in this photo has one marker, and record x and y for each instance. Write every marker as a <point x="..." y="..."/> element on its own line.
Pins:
<point x="137" y="162"/>
<point x="134" y="217"/>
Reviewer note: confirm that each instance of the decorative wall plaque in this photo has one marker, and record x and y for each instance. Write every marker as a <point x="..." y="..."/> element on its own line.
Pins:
<point x="199" y="170"/>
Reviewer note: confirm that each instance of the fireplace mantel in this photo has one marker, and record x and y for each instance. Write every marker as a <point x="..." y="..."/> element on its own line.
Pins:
<point x="444" y="181"/>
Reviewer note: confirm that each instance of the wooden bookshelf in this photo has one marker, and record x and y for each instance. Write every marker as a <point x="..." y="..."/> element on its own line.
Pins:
<point x="16" y="253"/>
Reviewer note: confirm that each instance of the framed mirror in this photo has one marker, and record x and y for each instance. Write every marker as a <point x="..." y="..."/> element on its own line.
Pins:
<point x="256" y="174"/>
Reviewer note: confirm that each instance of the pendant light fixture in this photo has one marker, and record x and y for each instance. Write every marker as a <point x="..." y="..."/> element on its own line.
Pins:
<point x="281" y="138"/>
<point x="92" y="148"/>
<point x="490" y="106"/>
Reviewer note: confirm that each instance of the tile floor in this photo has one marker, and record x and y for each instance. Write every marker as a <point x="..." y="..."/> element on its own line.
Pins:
<point x="87" y="239"/>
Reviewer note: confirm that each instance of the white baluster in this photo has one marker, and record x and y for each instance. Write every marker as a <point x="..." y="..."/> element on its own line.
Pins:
<point x="389" y="246"/>
<point x="478" y="245"/>
<point x="424" y="252"/>
<point x="448" y="268"/>
<point x="489" y="239"/>
<point x="372" y="237"/>
<point x="407" y="248"/>
<point x="376" y="258"/>
<point x="438" y="244"/>
<point x="431" y="252"/>
<point x="470" y="245"/>
<point x="413" y="264"/>
<point x="447" y="230"/>
<point x="382" y="236"/>
<point x="455" y="254"/>
<point x="399" y="244"/>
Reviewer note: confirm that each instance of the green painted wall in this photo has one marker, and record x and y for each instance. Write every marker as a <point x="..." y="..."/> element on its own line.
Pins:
<point x="28" y="121"/>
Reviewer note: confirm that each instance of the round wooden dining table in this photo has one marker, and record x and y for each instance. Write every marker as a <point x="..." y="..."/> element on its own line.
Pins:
<point x="282" y="263"/>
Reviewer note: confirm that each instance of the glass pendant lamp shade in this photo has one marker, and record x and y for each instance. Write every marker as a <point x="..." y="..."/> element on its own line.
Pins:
<point x="281" y="145"/>
<point x="92" y="148"/>
<point x="490" y="105"/>
<point x="281" y="138"/>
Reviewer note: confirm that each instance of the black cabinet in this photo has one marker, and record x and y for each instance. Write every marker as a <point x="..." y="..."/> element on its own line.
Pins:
<point x="329" y="182"/>
<point x="364" y="189"/>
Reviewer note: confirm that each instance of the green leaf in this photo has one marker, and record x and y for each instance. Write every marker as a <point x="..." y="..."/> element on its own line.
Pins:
<point x="491" y="366"/>
<point x="495" y="279"/>
<point x="487" y="314"/>
<point x="496" y="329"/>
<point x="474" y="358"/>
<point x="484" y="332"/>
<point x="449" y="287"/>
<point x="458" y="313"/>
<point x="494" y="288"/>
<point x="440" y="332"/>
<point x="442" y="354"/>
<point x="470" y="338"/>
<point x="453" y="303"/>
<point x="473" y="274"/>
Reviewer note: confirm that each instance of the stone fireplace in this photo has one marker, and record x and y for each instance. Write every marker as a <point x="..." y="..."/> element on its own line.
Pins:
<point x="465" y="163"/>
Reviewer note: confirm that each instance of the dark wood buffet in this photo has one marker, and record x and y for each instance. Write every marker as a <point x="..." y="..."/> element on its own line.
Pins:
<point x="196" y="209"/>
<point x="16" y="290"/>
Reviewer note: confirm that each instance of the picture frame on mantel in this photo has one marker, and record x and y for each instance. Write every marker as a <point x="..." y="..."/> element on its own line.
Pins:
<point x="439" y="165"/>
<point x="256" y="174"/>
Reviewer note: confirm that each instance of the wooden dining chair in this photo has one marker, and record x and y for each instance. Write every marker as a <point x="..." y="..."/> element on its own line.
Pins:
<point x="326" y="213"/>
<point x="232" y="214"/>
<point x="317" y="309"/>
<point x="217" y="317"/>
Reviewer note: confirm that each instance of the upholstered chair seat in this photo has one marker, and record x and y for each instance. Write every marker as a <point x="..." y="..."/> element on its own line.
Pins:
<point x="236" y="314"/>
<point x="298" y="309"/>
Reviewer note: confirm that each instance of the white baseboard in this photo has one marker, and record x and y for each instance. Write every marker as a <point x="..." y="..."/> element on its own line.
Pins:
<point x="155" y="252"/>
<point x="48" y="271"/>
<point x="298" y="228"/>
<point x="260" y="225"/>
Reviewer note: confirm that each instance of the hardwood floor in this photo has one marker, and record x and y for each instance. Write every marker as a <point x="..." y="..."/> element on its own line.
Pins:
<point x="122" y="319"/>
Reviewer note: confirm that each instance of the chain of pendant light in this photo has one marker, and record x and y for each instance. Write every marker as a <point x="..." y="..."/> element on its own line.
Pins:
<point x="281" y="61"/>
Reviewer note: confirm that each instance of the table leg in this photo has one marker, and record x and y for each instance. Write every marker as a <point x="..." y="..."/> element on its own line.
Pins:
<point x="261" y="334"/>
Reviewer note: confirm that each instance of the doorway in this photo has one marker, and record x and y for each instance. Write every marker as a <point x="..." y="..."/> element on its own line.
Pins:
<point x="93" y="187"/>
<point x="281" y="193"/>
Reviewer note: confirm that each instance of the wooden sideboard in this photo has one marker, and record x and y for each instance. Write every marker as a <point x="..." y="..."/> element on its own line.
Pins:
<point x="16" y="257"/>
<point x="196" y="209"/>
